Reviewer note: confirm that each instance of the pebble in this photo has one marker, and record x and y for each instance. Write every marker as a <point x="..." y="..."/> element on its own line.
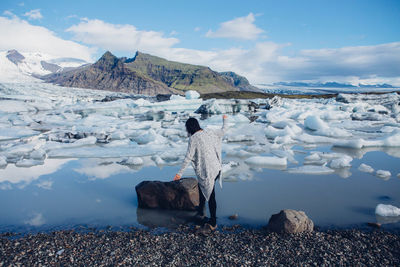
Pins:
<point x="227" y="246"/>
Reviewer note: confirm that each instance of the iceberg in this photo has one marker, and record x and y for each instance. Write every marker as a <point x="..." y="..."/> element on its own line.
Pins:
<point x="383" y="174"/>
<point x="266" y="161"/>
<point x="311" y="169"/>
<point x="387" y="210"/>
<point x="365" y="168"/>
<point x="342" y="162"/>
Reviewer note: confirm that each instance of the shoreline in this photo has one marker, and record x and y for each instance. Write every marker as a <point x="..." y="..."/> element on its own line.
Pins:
<point x="233" y="245"/>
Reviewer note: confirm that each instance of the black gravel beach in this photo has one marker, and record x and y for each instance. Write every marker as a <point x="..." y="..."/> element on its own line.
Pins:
<point x="186" y="246"/>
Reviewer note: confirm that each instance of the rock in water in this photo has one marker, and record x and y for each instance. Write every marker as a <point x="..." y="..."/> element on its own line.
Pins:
<point x="291" y="222"/>
<point x="176" y="195"/>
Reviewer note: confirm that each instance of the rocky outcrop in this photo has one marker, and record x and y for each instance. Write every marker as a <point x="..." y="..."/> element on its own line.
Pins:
<point x="290" y="222"/>
<point x="15" y="57"/>
<point x="175" y="195"/>
<point x="238" y="81"/>
<point x="110" y="73"/>
<point x="148" y="75"/>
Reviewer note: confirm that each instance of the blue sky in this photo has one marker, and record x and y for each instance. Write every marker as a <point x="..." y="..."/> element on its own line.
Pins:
<point x="267" y="41"/>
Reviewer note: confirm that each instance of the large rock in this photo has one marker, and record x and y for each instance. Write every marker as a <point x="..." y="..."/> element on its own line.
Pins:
<point x="291" y="222"/>
<point x="176" y="195"/>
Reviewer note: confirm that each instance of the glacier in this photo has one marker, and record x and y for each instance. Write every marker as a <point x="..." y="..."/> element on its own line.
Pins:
<point x="40" y="122"/>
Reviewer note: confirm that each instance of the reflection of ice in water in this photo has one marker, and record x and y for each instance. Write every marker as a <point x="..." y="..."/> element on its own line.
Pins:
<point x="36" y="220"/>
<point x="53" y="126"/>
<point x="17" y="175"/>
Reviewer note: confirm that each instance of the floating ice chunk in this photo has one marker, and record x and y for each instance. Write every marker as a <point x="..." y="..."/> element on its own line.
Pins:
<point x="177" y="97"/>
<point x="256" y="149"/>
<point x="158" y="160"/>
<point x="342" y="162"/>
<point x="192" y="94"/>
<point x="132" y="161"/>
<point x="311" y="169"/>
<point x="321" y="128"/>
<point x="398" y="175"/>
<point x="356" y="143"/>
<point x="289" y="154"/>
<point x="313" y="157"/>
<point x="38" y="154"/>
<point x="91" y="140"/>
<point x="387" y="210"/>
<point x="238" y="153"/>
<point x="11" y="106"/>
<point x="28" y="163"/>
<point x="15" y="133"/>
<point x="266" y="161"/>
<point x="383" y="174"/>
<point x="229" y="166"/>
<point x="392" y="140"/>
<point x="150" y="136"/>
<point x="365" y="168"/>
<point x="240" y="138"/>
<point x="3" y="162"/>
<point x="312" y="139"/>
<point x="117" y="143"/>
<point x="315" y="123"/>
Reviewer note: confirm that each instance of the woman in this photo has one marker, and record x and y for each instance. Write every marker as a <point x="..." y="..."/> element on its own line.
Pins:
<point x="204" y="151"/>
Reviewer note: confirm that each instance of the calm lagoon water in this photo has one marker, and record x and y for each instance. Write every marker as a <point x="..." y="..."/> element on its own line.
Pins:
<point x="66" y="193"/>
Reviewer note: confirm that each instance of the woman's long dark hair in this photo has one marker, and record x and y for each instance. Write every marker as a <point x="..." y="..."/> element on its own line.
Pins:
<point x="192" y="126"/>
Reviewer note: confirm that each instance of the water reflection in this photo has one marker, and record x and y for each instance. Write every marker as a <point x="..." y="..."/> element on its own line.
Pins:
<point x="164" y="218"/>
<point x="25" y="176"/>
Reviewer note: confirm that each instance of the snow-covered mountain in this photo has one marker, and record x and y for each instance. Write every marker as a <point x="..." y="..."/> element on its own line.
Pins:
<point x="27" y="66"/>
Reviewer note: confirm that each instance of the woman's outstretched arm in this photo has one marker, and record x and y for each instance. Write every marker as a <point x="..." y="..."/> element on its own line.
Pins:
<point x="188" y="158"/>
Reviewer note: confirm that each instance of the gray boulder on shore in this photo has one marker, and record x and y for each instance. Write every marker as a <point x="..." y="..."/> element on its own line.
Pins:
<point x="175" y="195"/>
<point x="290" y="222"/>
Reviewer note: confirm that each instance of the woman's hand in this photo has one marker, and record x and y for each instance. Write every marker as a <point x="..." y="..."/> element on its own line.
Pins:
<point x="177" y="177"/>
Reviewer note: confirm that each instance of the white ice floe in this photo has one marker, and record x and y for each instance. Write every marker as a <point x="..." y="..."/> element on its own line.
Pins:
<point x="383" y="174"/>
<point x="192" y="94"/>
<point x="266" y="161"/>
<point x="342" y="162"/>
<point x="227" y="167"/>
<point x="387" y="210"/>
<point x="16" y="133"/>
<point x="28" y="163"/>
<point x="38" y="154"/>
<point x="3" y="161"/>
<point x="312" y="158"/>
<point x="132" y="161"/>
<point x="311" y="169"/>
<point x="239" y="138"/>
<point x="322" y="128"/>
<point x="365" y="168"/>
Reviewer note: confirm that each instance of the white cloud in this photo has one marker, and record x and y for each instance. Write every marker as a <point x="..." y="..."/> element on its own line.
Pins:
<point x="238" y="28"/>
<point x="197" y="29"/>
<point x="33" y="14"/>
<point x="21" y="35"/>
<point x="264" y="62"/>
<point x="117" y="37"/>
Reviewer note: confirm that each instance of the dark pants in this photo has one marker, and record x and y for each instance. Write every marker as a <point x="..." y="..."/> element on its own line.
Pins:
<point x="212" y="203"/>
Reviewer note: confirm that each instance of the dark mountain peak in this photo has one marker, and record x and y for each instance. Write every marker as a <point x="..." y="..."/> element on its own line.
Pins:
<point x="14" y="56"/>
<point x="108" y="62"/>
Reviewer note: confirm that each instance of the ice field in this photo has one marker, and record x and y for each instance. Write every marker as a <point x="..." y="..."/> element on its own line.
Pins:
<point x="67" y="158"/>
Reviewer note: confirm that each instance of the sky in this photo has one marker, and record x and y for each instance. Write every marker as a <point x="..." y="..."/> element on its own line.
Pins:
<point x="347" y="41"/>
